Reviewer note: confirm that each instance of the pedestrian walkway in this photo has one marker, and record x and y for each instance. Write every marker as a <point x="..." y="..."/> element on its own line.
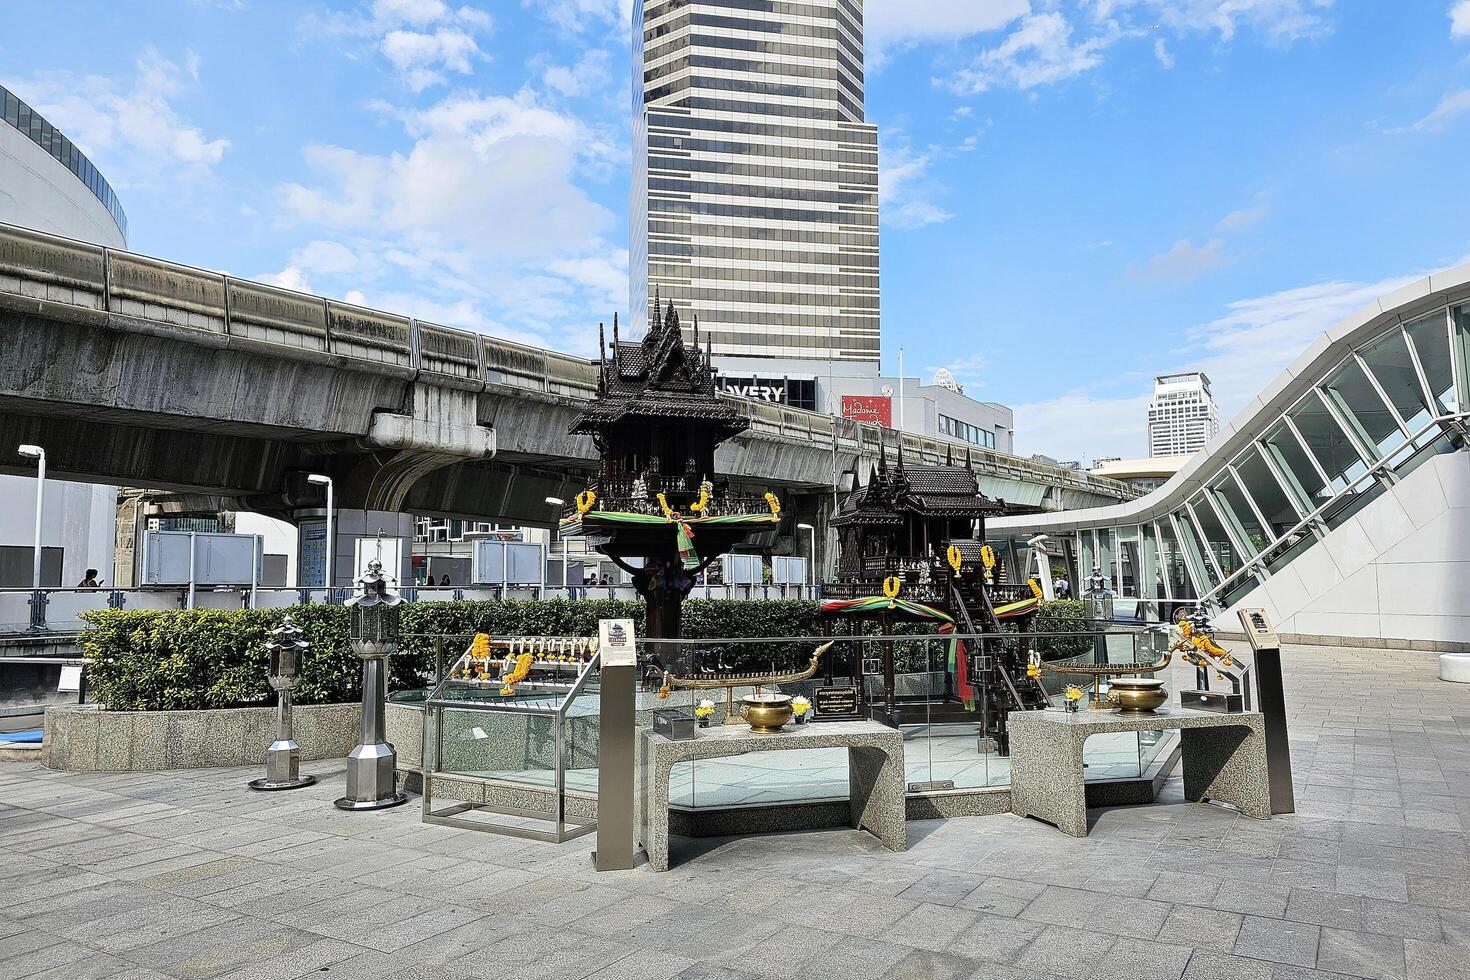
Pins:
<point x="190" y="875"/>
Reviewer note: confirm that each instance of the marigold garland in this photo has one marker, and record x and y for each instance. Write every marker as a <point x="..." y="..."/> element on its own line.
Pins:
<point x="704" y="491"/>
<point x="891" y="586"/>
<point x="520" y="672"/>
<point x="663" y="503"/>
<point x="955" y="559"/>
<point x="774" y="503"/>
<point x="585" y="500"/>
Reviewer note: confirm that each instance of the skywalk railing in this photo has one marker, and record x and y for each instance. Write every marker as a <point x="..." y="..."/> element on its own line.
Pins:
<point x="76" y="280"/>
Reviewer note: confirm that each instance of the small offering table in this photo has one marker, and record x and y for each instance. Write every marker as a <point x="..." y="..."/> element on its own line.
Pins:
<point x="875" y="774"/>
<point x="1224" y="759"/>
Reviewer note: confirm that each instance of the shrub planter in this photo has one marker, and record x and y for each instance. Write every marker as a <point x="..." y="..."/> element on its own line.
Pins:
<point x="85" y="738"/>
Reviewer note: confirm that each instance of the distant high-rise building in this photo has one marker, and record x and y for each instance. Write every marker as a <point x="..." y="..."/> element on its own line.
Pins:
<point x="1181" y="416"/>
<point x="755" y="188"/>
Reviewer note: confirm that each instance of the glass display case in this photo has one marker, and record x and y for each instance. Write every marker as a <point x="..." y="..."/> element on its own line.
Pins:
<point x="511" y="737"/>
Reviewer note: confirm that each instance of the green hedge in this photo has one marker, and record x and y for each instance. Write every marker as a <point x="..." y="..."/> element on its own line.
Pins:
<point x="149" y="661"/>
<point x="1063" y="616"/>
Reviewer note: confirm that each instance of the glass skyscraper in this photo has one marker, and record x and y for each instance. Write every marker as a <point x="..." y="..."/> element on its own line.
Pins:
<point x="755" y="189"/>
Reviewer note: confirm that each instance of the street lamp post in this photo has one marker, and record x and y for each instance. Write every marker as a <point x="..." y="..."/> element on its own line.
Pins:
<point x="811" y="568"/>
<point x="39" y="455"/>
<point x="558" y="502"/>
<point x="331" y="543"/>
<point x="38" y="601"/>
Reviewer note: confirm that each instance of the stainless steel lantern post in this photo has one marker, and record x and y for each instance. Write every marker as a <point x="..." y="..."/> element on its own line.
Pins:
<point x="283" y="758"/>
<point x="374" y="613"/>
<point x="1099" y="599"/>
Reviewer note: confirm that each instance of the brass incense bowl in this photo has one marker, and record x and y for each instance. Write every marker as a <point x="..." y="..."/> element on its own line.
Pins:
<point x="767" y="713"/>
<point x="1137" y="695"/>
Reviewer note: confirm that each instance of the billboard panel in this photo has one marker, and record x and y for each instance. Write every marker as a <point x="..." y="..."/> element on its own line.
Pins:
<point x="873" y="409"/>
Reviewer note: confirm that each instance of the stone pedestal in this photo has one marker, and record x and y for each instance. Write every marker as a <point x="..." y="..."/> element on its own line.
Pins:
<point x="875" y="775"/>
<point x="1224" y="760"/>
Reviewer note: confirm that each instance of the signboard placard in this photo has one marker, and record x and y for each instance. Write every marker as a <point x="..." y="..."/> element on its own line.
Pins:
<point x="873" y="409"/>
<point x="835" y="703"/>
<point x="616" y="641"/>
<point x="796" y="392"/>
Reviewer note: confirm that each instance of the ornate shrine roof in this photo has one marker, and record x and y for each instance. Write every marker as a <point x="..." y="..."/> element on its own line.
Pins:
<point x="927" y="490"/>
<point x="658" y="377"/>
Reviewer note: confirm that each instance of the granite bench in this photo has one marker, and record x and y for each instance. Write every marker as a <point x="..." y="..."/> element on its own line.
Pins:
<point x="875" y="774"/>
<point x="1224" y="758"/>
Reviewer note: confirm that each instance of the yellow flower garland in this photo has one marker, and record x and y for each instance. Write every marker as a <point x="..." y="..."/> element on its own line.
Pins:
<point x="664" y="505"/>
<point x="585" y="500"/>
<point x="520" y="672"/>
<point x="704" y="498"/>
<point x="891" y="586"/>
<point x="954" y="558"/>
<point x="774" y="504"/>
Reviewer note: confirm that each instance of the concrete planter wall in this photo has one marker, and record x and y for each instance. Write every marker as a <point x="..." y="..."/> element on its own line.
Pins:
<point x="84" y="738"/>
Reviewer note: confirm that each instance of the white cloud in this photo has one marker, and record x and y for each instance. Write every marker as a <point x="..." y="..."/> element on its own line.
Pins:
<point x="969" y="371"/>
<point x="1161" y="53"/>
<point x="1056" y="40"/>
<point x="135" y="122"/>
<point x="588" y="75"/>
<point x="605" y="274"/>
<point x="1039" y="52"/>
<point x="1279" y="21"/>
<point x="1183" y="262"/>
<point x="1242" y="351"/>
<point x="1460" y="19"/>
<point x="579" y="16"/>
<point x="904" y="188"/>
<point x="291" y="277"/>
<point x="1080" y="425"/>
<point x="421" y="39"/>
<point x="1246" y="217"/>
<point x="418" y="57"/>
<point x="895" y="23"/>
<point x="481" y="210"/>
<point x="1450" y="107"/>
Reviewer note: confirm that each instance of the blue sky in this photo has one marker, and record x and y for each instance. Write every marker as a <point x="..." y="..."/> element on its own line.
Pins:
<point x="1077" y="194"/>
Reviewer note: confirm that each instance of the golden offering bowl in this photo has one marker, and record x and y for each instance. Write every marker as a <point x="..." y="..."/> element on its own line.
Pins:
<point x="768" y="713"/>
<point x="1137" y="695"/>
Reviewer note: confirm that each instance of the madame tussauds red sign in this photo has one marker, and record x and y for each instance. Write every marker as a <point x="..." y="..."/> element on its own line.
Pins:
<point x="873" y="409"/>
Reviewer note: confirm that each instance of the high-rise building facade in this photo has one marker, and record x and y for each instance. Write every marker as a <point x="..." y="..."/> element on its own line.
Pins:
<point x="1182" y="416"/>
<point x="755" y="190"/>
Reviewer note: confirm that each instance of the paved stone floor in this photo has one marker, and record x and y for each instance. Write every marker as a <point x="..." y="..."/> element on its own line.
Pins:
<point x="189" y="875"/>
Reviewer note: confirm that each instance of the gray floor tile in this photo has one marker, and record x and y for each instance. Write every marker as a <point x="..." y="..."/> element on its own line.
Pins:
<point x="1143" y="959"/>
<point x="1064" y="952"/>
<point x="1278" y="940"/>
<point x="1201" y="928"/>
<point x="1436" y="961"/>
<point x="1361" y="954"/>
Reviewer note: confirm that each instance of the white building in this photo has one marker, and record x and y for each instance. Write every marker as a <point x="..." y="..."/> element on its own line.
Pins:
<point x="940" y="409"/>
<point x="1182" y="416"/>
<point x="755" y="189"/>
<point x="46" y="183"/>
<point x="1336" y="501"/>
